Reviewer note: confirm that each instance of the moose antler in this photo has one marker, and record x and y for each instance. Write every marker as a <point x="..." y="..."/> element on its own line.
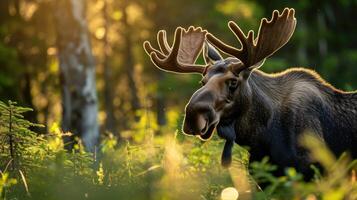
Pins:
<point x="272" y="36"/>
<point x="181" y="57"/>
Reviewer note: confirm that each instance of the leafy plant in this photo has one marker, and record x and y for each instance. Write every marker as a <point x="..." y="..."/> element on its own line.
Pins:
<point x="37" y="166"/>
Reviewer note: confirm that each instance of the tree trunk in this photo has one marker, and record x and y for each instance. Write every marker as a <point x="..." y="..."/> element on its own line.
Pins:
<point x="160" y="97"/>
<point x="160" y="103"/>
<point x="27" y="98"/>
<point x="108" y="87"/>
<point x="27" y="74"/>
<point x="4" y="10"/>
<point x="77" y="73"/>
<point x="129" y="62"/>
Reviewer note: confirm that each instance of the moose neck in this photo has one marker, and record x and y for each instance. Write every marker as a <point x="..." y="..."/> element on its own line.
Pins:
<point x="265" y="88"/>
<point x="258" y="96"/>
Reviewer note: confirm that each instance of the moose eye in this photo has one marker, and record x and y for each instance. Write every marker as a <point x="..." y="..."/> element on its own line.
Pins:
<point x="232" y="84"/>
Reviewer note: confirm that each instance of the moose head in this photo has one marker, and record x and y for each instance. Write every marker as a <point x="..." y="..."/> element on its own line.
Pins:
<point x="225" y="91"/>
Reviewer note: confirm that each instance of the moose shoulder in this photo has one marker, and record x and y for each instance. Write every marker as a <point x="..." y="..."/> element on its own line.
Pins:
<point x="267" y="112"/>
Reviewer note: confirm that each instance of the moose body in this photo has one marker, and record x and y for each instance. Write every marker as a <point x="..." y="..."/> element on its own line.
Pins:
<point x="279" y="108"/>
<point x="267" y="112"/>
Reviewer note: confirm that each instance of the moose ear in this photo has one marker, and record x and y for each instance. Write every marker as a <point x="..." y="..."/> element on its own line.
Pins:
<point x="210" y="54"/>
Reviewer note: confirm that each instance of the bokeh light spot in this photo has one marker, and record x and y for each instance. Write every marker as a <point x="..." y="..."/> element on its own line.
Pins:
<point x="229" y="193"/>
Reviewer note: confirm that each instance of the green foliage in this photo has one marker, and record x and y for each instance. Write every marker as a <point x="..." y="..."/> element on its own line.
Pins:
<point x="160" y="167"/>
<point x="5" y="182"/>
<point x="17" y="140"/>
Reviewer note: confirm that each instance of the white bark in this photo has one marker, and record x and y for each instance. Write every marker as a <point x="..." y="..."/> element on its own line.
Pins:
<point x="77" y="68"/>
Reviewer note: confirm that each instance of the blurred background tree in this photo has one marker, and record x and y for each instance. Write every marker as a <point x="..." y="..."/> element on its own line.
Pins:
<point x="128" y="85"/>
<point x="77" y="72"/>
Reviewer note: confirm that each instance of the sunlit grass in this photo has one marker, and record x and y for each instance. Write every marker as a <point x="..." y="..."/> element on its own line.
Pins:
<point x="154" y="162"/>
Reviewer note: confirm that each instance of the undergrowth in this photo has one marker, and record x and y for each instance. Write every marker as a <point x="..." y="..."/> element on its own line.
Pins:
<point x="144" y="165"/>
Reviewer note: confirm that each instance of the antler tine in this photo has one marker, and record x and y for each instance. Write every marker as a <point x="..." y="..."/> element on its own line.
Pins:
<point x="162" y="60"/>
<point x="221" y="45"/>
<point x="149" y="49"/>
<point x="247" y="42"/>
<point x="162" y="41"/>
<point x="176" y="45"/>
<point x="239" y="34"/>
<point x="185" y="47"/>
<point x="272" y="35"/>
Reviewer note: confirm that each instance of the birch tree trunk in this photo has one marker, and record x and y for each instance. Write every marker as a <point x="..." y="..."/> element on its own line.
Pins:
<point x="77" y="72"/>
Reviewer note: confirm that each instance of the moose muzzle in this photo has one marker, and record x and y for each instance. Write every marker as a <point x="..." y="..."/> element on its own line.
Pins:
<point x="200" y="116"/>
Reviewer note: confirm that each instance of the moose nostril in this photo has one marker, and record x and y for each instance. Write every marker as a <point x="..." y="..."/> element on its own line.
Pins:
<point x="204" y="129"/>
<point x="188" y="127"/>
<point x="195" y="124"/>
<point x="201" y="124"/>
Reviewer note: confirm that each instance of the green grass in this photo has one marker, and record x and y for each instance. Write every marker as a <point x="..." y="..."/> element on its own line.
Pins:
<point x="147" y="165"/>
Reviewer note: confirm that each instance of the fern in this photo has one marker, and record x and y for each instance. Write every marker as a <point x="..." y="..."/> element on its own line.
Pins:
<point x="15" y="135"/>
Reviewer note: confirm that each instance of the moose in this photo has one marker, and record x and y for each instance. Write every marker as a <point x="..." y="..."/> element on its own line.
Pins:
<point x="266" y="112"/>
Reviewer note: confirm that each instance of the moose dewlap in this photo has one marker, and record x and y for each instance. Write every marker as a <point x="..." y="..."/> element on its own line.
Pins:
<point x="267" y="112"/>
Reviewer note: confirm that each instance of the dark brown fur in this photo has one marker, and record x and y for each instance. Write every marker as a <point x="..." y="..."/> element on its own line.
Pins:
<point x="283" y="106"/>
<point x="270" y="112"/>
